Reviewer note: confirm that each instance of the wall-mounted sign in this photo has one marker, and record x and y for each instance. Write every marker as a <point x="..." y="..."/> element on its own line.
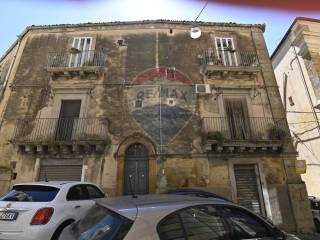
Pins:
<point x="162" y="101"/>
<point x="300" y="166"/>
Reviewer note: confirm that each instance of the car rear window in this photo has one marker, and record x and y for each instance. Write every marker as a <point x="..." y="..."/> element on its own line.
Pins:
<point x="101" y="224"/>
<point x="31" y="193"/>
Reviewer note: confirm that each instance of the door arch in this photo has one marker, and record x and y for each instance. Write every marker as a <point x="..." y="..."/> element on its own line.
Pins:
<point x="136" y="169"/>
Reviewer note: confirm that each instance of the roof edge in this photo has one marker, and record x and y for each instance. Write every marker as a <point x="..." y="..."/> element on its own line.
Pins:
<point x="289" y="30"/>
<point x="262" y="27"/>
<point x="167" y="21"/>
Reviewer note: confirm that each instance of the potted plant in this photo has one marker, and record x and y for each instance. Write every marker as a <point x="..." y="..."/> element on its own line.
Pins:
<point x="74" y="50"/>
<point x="217" y="136"/>
<point x="276" y="133"/>
<point x="230" y="49"/>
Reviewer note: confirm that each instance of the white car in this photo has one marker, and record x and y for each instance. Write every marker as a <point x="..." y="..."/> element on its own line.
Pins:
<point x="41" y="210"/>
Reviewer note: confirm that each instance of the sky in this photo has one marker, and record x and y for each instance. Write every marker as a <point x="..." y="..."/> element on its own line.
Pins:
<point x="16" y="15"/>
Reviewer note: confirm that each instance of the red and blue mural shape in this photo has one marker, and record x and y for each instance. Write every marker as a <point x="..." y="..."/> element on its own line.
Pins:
<point x="162" y="101"/>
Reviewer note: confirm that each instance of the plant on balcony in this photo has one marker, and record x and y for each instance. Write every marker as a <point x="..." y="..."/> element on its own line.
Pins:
<point x="74" y="50"/>
<point x="230" y="49"/>
<point x="89" y="63"/>
<point x="217" y="136"/>
<point x="276" y="133"/>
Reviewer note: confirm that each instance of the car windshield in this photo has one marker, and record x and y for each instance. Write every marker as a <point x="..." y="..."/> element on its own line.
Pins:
<point x="31" y="193"/>
<point x="101" y="223"/>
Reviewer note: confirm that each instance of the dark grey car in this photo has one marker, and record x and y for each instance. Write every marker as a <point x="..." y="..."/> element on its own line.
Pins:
<point x="169" y="217"/>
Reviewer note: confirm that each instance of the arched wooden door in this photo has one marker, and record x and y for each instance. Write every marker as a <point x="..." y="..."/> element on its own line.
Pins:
<point x="136" y="169"/>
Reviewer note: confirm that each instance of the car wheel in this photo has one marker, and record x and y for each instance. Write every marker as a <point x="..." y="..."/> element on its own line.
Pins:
<point x="317" y="224"/>
<point x="59" y="230"/>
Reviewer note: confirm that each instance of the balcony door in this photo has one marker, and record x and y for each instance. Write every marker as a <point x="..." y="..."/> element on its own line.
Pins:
<point x="238" y="119"/>
<point x="68" y="118"/>
<point x="226" y="51"/>
<point x="80" y="53"/>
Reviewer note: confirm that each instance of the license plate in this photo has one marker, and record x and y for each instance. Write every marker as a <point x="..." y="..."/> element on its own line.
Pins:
<point x="8" y="216"/>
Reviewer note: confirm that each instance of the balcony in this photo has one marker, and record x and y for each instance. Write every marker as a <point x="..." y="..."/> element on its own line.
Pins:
<point x="60" y="135"/>
<point x="76" y="63"/>
<point x="222" y="134"/>
<point x="220" y="64"/>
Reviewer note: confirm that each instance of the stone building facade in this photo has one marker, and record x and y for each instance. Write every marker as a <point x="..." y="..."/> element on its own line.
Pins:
<point x="296" y="64"/>
<point x="142" y="106"/>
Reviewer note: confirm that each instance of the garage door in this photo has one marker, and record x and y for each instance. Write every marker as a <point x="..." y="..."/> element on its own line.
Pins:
<point x="59" y="170"/>
<point x="248" y="184"/>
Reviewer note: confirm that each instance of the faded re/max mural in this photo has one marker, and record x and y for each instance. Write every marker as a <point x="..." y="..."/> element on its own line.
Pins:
<point x="161" y="100"/>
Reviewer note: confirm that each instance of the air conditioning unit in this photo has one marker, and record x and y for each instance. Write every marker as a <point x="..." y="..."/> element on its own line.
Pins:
<point x="203" y="88"/>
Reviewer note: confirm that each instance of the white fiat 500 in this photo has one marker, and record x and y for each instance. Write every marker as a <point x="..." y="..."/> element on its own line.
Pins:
<point x="41" y="210"/>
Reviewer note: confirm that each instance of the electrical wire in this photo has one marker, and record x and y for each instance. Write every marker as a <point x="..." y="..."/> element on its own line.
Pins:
<point x="301" y="141"/>
<point x="205" y="5"/>
<point x="303" y="122"/>
<point x="301" y="112"/>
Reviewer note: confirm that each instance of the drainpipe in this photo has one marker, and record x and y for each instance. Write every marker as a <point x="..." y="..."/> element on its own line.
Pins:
<point x="285" y="82"/>
<point x="7" y="79"/>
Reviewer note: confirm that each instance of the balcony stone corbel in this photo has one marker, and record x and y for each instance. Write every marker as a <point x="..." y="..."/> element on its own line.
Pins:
<point x="75" y="148"/>
<point x="242" y="149"/>
<point x="53" y="149"/>
<point x="29" y="148"/>
<point x="219" y="148"/>
<point x="252" y="149"/>
<point x="39" y="148"/>
<point x="100" y="148"/>
<point x="230" y="149"/>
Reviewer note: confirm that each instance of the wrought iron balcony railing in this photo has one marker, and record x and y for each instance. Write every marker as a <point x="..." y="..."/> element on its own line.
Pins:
<point x="46" y="130"/>
<point x="229" y="58"/>
<point x="76" y="59"/>
<point x="250" y="129"/>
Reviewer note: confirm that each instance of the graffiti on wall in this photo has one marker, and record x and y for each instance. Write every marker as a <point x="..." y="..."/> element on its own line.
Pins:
<point x="162" y="101"/>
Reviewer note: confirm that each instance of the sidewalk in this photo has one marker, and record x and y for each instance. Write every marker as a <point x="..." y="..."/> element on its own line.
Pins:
<point x="313" y="236"/>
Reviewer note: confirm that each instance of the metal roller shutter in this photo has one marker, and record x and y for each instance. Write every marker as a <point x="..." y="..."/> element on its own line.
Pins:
<point x="247" y="187"/>
<point x="60" y="170"/>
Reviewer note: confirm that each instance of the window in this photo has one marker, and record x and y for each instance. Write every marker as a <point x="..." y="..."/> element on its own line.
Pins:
<point x="245" y="225"/>
<point x="291" y="102"/>
<point x="203" y="222"/>
<point x="68" y="118"/>
<point x="78" y="192"/>
<point x="225" y="51"/>
<point x="170" y="73"/>
<point x="171" y="228"/>
<point x="237" y="118"/>
<point x="138" y="103"/>
<point x="80" y="52"/>
<point x="199" y="222"/>
<point x="94" y="192"/>
<point x="31" y="193"/>
<point x="100" y="223"/>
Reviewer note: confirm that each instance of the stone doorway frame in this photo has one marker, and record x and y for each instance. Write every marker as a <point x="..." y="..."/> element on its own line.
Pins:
<point x="120" y="157"/>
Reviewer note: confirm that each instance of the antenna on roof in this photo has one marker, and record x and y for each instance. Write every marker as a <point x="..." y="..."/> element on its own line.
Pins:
<point x="195" y="31"/>
<point x="131" y="188"/>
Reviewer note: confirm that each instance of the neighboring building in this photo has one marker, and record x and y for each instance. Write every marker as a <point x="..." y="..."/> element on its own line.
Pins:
<point x="296" y="63"/>
<point x="142" y="105"/>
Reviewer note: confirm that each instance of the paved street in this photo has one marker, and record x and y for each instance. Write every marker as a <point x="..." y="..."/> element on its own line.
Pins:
<point x="315" y="236"/>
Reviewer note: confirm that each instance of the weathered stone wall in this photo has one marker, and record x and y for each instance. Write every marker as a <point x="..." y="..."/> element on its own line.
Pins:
<point x="148" y="51"/>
